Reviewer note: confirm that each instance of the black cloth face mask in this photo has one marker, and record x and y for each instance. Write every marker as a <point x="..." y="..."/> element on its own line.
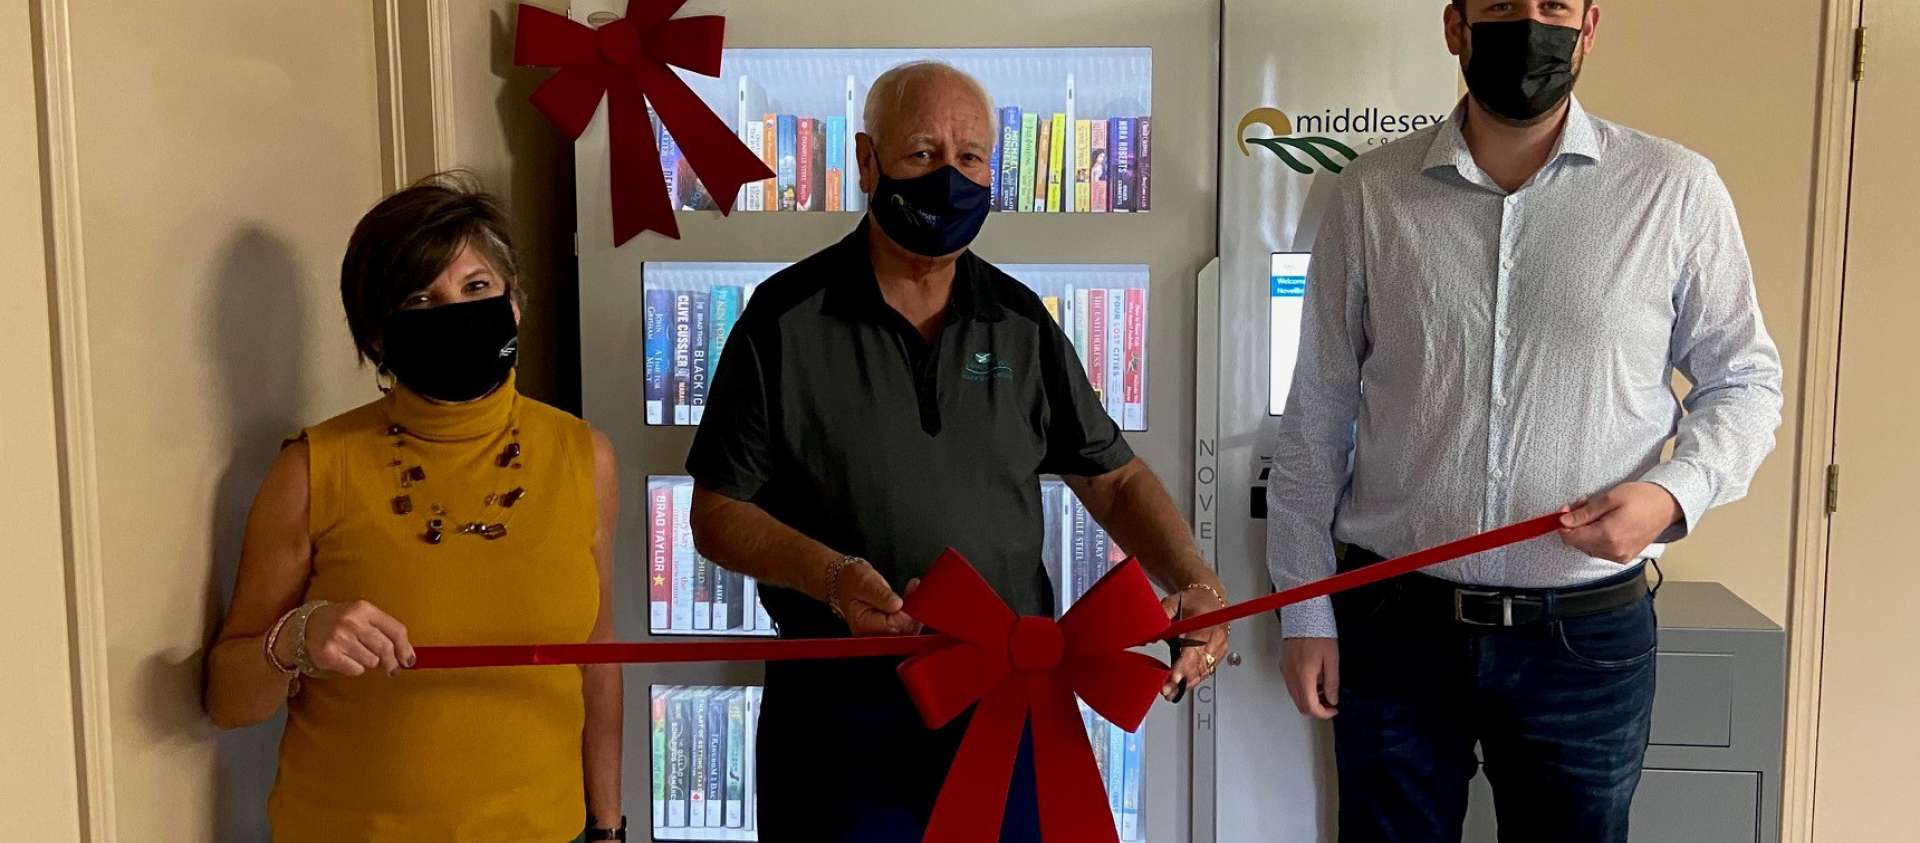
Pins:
<point x="454" y="352"/>
<point x="1521" y="69"/>
<point x="933" y="215"/>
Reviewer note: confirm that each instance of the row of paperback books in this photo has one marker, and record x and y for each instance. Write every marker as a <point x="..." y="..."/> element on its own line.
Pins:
<point x="703" y="759"/>
<point x="686" y="592"/>
<point x="808" y="156"/>
<point x="686" y="330"/>
<point x="1108" y="327"/>
<point x="1076" y="549"/>
<point x="1050" y="163"/>
<point x="1117" y="753"/>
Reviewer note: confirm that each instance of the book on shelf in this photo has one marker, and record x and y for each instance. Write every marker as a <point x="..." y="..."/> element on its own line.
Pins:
<point x="701" y="318"/>
<point x="1052" y="304"/>
<point x="1142" y="191"/>
<point x="659" y="557"/>
<point x="735" y="813"/>
<point x="704" y="760"/>
<point x="788" y="171"/>
<point x="722" y="595"/>
<point x="1008" y="149"/>
<point x="1133" y="399"/>
<point x="679" y="757"/>
<point x="716" y="787"/>
<point x="1116" y="351"/>
<point x="1097" y="167"/>
<point x="1096" y="358"/>
<point x="1029" y="143"/>
<point x="726" y="302"/>
<point x="807" y="169"/>
<point x="1083" y="165"/>
<point x="1120" y="146"/>
<point x="698" y="760"/>
<point x="681" y="611"/>
<point x="658" y="315"/>
<point x="1130" y="789"/>
<point x="1056" y="163"/>
<point x="1042" y="162"/>
<point x="770" y="156"/>
<point x="836" y="162"/>
<point x="658" y="742"/>
<point x="993" y="178"/>
<point x="755" y="194"/>
<point x="682" y="375"/>
<point x="1082" y="548"/>
<point x="669" y="160"/>
<point x="750" y="730"/>
<point x="702" y="589"/>
<point x="1116" y="769"/>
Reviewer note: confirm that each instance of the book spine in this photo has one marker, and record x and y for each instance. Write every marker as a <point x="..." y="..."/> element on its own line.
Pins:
<point x="1052" y="304"/>
<point x="723" y="596"/>
<point x="1029" y="147"/>
<point x="727" y="304"/>
<point x="749" y="776"/>
<point x="993" y="179"/>
<point x="1116" y="350"/>
<point x="702" y="591"/>
<point x="669" y="163"/>
<point x="1010" y="123"/>
<point x="1134" y="386"/>
<point x="1143" y="165"/>
<point x="659" y="743"/>
<point x="682" y="378"/>
<point x="1122" y="154"/>
<point x="1063" y="526"/>
<point x="716" y="759"/>
<point x="1130" y="790"/>
<point x="681" y="609"/>
<point x="1082" y="552"/>
<point x="749" y="598"/>
<point x="1098" y="738"/>
<point x="761" y="620"/>
<point x="1099" y="552"/>
<point x="1082" y="165"/>
<point x="1042" y="162"/>
<point x="789" y="150"/>
<point x="1056" y="163"/>
<point x="1082" y="332"/>
<point x="836" y="162"/>
<point x="659" y="557"/>
<point x="1049" y="541"/>
<point x="737" y="604"/>
<point x="697" y="340"/>
<point x="1097" y="343"/>
<point x="701" y="761"/>
<point x="736" y="813"/>
<point x="679" y="757"/>
<point x="756" y="191"/>
<point x="770" y="156"/>
<point x="806" y="150"/>
<point x="1098" y="167"/>
<point x="817" y="166"/>
<point x="659" y="325"/>
<point x="1116" y="767"/>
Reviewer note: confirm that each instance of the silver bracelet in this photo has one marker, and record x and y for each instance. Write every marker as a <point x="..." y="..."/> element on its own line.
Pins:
<point x="833" y="581"/>
<point x="303" y="660"/>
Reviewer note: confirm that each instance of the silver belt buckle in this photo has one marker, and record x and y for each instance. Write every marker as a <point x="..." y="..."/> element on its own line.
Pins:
<point x="1459" y="614"/>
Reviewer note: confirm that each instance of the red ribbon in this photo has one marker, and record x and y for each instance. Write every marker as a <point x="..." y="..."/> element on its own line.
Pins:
<point x="1012" y="671"/>
<point x="627" y="61"/>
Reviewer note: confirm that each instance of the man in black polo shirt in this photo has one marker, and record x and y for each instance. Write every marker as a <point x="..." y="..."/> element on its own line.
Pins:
<point x="886" y="398"/>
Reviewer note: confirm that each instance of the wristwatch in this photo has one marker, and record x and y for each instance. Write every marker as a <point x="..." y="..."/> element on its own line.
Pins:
<point x="619" y="833"/>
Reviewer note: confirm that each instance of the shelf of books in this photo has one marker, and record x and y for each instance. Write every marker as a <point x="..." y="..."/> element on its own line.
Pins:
<point x="686" y="593"/>
<point x="1075" y="129"/>
<point x="702" y="736"/>
<point x="691" y="307"/>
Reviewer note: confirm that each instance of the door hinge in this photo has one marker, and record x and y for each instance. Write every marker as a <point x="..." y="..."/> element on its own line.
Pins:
<point x="1859" y="54"/>
<point x="1833" y="489"/>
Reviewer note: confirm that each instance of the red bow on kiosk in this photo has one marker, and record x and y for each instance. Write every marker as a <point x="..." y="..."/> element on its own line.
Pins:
<point x="1028" y="669"/>
<point x="627" y="61"/>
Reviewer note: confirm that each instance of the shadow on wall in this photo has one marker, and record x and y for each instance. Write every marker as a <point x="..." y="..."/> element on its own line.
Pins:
<point x="256" y="338"/>
<point x="538" y="190"/>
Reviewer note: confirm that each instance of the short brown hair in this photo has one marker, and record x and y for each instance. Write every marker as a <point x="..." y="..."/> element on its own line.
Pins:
<point x="409" y="238"/>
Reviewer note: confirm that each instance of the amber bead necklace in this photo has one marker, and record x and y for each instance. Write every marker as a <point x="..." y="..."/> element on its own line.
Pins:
<point x="410" y="477"/>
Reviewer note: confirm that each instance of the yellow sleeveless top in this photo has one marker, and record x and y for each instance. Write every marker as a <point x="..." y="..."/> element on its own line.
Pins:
<point x="446" y="755"/>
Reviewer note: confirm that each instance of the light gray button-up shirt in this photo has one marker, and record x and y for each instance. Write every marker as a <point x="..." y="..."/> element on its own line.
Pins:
<point x="1471" y="357"/>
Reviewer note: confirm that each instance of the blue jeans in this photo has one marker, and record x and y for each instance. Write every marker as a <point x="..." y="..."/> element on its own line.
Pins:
<point x="844" y="758"/>
<point x="1560" y="711"/>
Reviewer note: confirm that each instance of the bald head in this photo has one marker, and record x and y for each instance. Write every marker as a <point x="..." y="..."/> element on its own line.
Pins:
<point x="923" y="116"/>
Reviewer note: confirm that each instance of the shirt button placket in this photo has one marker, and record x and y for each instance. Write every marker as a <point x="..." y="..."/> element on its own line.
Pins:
<point x="1497" y="395"/>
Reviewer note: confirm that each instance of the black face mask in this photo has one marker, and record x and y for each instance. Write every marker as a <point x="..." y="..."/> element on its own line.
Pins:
<point x="454" y="352"/>
<point x="932" y="215"/>
<point x="1521" y="69"/>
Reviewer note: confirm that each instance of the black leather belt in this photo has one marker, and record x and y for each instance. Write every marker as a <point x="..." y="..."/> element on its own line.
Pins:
<point x="1423" y="596"/>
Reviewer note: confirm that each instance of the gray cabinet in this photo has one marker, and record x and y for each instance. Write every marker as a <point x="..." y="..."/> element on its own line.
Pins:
<point x="1713" y="764"/>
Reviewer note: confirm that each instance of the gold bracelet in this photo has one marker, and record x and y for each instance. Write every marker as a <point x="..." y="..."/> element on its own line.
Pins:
<point x="1210" y="590"/>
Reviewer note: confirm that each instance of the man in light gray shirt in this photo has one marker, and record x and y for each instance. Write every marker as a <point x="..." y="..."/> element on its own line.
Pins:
<point x="1494" y="312"/>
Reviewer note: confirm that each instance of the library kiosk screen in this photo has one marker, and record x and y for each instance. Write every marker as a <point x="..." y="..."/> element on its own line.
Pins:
<point x="1286" y="287"/>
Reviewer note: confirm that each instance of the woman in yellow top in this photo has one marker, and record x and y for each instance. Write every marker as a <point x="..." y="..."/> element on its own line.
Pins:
<point x="453" y="510"/>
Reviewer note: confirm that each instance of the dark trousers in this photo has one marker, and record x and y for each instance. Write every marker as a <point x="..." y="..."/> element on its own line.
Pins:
<point x="1560" y="712"/>
<point x="844" y="758"/>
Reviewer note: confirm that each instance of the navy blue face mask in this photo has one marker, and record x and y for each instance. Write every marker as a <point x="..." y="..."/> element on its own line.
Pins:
<point x="933" y="215"/>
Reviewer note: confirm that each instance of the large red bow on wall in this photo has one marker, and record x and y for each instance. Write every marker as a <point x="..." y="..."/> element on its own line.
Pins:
<point x="1028" y="669"/>
<point x="627" y="61"/>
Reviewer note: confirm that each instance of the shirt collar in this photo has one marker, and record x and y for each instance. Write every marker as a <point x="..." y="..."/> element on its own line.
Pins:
<point x="1578" y="137"/>
<point x="855" y="292"/>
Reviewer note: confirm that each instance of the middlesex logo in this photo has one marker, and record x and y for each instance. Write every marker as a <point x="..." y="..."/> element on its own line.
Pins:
<point x="1289" y="148"/>
<point x="1303" y="144"/>
<point x="982" y="366"/>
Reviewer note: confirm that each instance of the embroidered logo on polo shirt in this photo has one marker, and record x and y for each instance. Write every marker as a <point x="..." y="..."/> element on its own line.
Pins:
<point x="982" y="366"/>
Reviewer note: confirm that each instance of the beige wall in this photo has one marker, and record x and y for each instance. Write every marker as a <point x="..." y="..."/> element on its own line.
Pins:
<point x="223" y="154"/>
<point x="1739" y="87"/>
<point x="39" y="791"/>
